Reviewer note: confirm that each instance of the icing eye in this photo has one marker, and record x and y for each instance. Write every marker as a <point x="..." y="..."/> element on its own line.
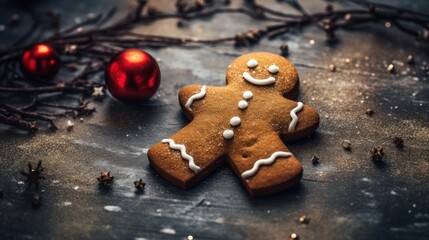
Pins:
<point x="273" y="69"/>
<point x="252" y="63"/>
<point x="247" y="95"/>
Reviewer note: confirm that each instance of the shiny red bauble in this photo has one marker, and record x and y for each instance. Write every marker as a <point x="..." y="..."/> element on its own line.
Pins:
<point x="40" y="62"/>
<point x="132" y="76"/>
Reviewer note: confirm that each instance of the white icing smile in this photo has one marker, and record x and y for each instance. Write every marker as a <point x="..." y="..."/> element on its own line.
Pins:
<point x="252" y="63"/>
<point x="261" y="82"/>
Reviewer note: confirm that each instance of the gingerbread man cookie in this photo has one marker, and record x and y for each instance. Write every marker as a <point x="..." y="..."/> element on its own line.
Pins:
<point x="240" y="123"/>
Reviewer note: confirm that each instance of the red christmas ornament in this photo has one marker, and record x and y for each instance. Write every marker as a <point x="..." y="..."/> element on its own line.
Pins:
<point x="132" y="76"/>
<point x="40" y="62"/>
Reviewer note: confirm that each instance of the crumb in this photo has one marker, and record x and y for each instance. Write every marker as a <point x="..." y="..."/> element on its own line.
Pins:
<point x="348" y="17"/>
<point x="369" y="112"/>
<point x="332" y="67"/>
<point x="304" y="219"/>
<point x="294" y="236"/>
<point x="347" y="145"/>
<point x="391" y="68"/>
<point x="70" y="125"/>
<point x="410" y="59"/>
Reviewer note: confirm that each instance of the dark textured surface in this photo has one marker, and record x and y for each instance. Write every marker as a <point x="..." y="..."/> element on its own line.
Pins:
<point x="346" y="196"/>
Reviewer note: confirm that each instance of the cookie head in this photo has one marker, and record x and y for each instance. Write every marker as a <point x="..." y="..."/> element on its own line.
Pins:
<point x="264" y="70"/>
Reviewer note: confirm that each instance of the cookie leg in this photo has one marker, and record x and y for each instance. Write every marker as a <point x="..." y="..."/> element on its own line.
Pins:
<point x="265" y="165"/>
<point x="187" y="157"/>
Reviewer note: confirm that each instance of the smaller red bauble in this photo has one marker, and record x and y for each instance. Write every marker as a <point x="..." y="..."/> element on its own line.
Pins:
<point x="132" y="76"/>
<point x="40" y="62"/>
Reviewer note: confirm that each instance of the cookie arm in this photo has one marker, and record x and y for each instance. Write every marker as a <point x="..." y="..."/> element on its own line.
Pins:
<point x="264" y="164"/>
<point x="188" y="156"/>
<point x="298" y="122"/>
<point x="189" y="98"/>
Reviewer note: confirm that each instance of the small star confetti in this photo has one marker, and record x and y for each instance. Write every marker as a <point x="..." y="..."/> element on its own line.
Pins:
<point x="70" y="49"/>
<point x="387" y="24"/>
<point x="98" y="92"/>
<point x="32" y="126"/>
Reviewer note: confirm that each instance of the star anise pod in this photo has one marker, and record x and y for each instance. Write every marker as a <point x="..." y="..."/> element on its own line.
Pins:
<point x="33" y="175"/>
<point x="315" y="160"/>
<point x="105" y="179"/>
<point x="284" y="50"/>
<point x="139" y="184"/>
<point x="247" y="38"/>
<point x="377" y="153"/>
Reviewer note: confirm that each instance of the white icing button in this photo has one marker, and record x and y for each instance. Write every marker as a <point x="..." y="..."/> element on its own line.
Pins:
<point x="228" y="134"/>
<point x="273" y="69"/>
<point x="247" y="95"/>
<point x="252" y="63"/>
<point x="242" y="104"/>
<point x="235" y="121"/>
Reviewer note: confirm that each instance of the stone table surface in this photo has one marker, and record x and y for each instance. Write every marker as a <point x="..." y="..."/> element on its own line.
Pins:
<point x="346" y="196"/>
